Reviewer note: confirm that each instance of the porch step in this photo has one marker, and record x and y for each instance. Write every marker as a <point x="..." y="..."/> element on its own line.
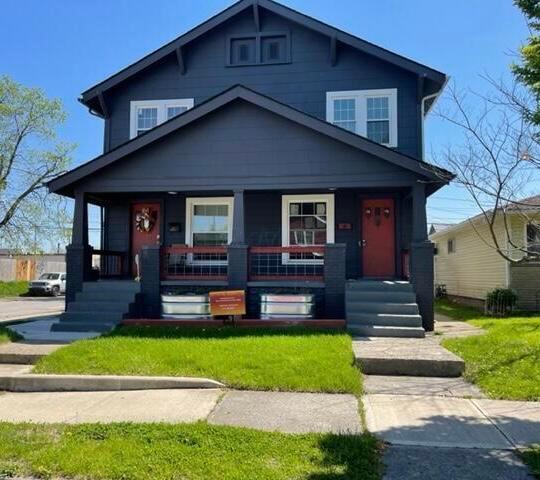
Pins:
<point x="92" y="316"/>
<point x="382" y="307"/>
<point x="70" y="326"/>
<point x="88" y="306"/>
<point x="384" y="319"/>
<point x="99" y="307"/>
<point x="376" y="296"/>
<point x="386" y="331"/>
<point x="380" y="285"/>
<point x="112" y="285"/>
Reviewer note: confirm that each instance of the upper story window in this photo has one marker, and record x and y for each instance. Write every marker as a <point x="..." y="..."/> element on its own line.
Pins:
<point x="533" y="237"/>
<point x="258" y="49"/>
<point x="370" y="113"/>
<point x="451" y="245"/>
<point x="147" y="114"/>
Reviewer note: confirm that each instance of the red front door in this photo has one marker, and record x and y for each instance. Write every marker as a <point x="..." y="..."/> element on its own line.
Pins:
<point x="145" y="228"/>
<point x="378" y="238"/>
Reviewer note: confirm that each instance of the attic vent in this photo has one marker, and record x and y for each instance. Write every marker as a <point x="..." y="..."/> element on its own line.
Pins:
<point x="258" y="49"/>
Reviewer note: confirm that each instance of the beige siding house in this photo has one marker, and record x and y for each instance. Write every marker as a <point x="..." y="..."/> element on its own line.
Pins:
<point x="468" y="265"/>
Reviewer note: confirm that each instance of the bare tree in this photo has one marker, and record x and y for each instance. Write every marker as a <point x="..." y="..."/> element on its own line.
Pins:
<point x="30" y="155"/>
<point x="496" y="160"/>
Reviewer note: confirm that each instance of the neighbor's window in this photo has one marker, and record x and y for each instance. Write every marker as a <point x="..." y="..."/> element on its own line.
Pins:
<point x="209" y="223"/>
<point x="533" y="237"/>
<point x="451" y="245"/>
<point x="147" y="114"/>
<point x="307" y="220"/>
<point x="370" y="113"/>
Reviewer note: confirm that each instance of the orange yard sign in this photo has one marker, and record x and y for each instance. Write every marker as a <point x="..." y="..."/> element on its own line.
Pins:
<point x="231" y="302"/>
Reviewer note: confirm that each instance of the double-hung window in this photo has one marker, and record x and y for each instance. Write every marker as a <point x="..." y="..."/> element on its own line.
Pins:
<point x="209" y="224"/>
<point x="370" y="113"/>
<point x="147" y="114"/>
<point x="533" y="237"/>
<point x="307" y="220"/>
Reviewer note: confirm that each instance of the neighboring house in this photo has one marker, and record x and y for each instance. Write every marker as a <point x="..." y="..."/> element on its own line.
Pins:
<point x="437" y="227"/>
<point x="262" y="150"/>
<point x="469" y="266"/>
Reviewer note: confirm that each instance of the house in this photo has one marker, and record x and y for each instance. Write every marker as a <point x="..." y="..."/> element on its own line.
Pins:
<point x="437" y="227"/>
<point x="266" y="151"/>
<point x="467" y="263"/>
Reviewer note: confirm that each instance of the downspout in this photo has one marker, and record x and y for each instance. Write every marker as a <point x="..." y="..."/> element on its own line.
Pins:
<point x="423" y="112"/>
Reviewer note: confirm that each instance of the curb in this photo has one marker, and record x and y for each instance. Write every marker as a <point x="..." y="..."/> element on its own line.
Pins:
<point x="99" y="383"/>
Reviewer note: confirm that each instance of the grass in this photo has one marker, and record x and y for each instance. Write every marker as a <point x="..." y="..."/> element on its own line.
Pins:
<point x="13" y="289"/>
<point x="184" y="451"/>
<point x="7" y="336"/>
<point x="531" y="457"/>
<point x="504" y="362"/>
<point x="292" y="359"/>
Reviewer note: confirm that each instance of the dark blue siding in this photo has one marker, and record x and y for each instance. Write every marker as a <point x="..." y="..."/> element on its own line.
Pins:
<point x="303" y="83"/>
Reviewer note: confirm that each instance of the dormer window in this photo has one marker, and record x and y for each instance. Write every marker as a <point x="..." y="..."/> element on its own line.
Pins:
<point x="370" y="113"/>
<point x="147" y="114"/>
<point x="258" y="49"/>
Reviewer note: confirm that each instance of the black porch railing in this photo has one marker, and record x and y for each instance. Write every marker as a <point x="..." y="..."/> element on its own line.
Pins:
<point x="287" y="263"/>
<point x="194" y="263"/>
<point x="110" y="263"/>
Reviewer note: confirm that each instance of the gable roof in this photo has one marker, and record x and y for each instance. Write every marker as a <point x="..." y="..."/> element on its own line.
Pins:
<point x="524" y="206"/>
<point x="93" y="97"/>
<point x="62" y="183"/>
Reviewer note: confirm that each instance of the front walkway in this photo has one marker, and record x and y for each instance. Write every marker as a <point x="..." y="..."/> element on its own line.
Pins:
<point x="23" y="308"/>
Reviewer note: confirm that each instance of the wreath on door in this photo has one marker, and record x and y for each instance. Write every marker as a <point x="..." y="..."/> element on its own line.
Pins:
<point x="145" y="220"/>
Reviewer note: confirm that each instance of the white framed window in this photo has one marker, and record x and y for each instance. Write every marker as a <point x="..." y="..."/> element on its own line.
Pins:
<point x="451" y="245"/>
<point x="306" y="220"/>
<point x="532" y="233"/>
<point x="147" y="114"/>
<point x="370" y="113"/>
<point x="209" y="223"/>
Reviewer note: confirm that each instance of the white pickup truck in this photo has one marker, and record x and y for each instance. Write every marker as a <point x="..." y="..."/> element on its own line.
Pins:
<point x="53" y="283"/>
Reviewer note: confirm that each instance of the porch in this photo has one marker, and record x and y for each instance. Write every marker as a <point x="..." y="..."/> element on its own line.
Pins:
<point x="308" y="242"/>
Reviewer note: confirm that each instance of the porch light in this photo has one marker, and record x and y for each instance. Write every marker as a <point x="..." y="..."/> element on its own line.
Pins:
<point x="172" y="193"/>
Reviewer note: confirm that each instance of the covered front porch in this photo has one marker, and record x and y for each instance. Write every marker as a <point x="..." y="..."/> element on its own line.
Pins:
<point x="261" y="241"/>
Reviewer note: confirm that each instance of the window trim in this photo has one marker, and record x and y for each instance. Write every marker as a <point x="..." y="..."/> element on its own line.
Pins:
<point x="526" y="224"/>
<point x="190" y="204"/>
<point x="453" y="241"/>
<point x="360" y="97"/>
<point x="161" y="106"/>
<point x="286" y="200"/>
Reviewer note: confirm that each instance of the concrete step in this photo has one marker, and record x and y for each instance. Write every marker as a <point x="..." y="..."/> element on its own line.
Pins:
<point x="69" y="326"/>
<point x="100" y="306"/>
<point x="92" y="316"/>
<point x="379" y="296"/>
<point x="105" y="296"/>
<point x="112" y="285"/>
<point x="386" y="331"/>
<point x="379" y="285"/>
<point x="384" y="319"/>
<point x="382" y="307"/>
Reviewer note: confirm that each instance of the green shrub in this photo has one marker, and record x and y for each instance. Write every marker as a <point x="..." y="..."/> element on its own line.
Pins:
<point x="501" y="302"/>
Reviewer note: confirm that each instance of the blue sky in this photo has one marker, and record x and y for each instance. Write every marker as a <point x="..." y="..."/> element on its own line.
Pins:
<point x="65" y="46"/>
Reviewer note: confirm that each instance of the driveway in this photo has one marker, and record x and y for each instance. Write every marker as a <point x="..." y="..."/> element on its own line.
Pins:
<point x="19" y="308"/>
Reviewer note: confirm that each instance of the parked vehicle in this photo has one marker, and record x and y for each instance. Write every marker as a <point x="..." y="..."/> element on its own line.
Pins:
<point x="52" y="283"/>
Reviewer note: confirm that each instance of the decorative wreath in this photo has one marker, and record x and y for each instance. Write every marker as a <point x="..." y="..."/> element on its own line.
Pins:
<point x="145" y="220"/>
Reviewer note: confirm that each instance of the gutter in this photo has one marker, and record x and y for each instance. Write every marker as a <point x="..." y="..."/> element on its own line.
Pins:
<point x="424" y="112"/>
<point x="92" y="112"/>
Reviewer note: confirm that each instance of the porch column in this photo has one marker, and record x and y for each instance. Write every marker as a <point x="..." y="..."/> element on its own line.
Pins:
<point x="238" y="251"/>
<point x="334" y="280"/>
<point x="78" y="253"/>
<point x="421" y="257"/>
<point x="150" y="264"/>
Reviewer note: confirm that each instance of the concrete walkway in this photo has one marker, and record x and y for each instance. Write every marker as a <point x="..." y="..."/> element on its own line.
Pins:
<point x="23" y="308"/>
<point x="275" y="411"/>
<point x="40" y="331"/>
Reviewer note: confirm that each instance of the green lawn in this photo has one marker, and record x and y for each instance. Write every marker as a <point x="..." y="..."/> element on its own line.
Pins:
<point x="184" y="451"/>
<point x="532" y="458"/>
<point x="7" y="335"/>
<point x="292" y="359"/>
<point x="13" y="289"/>
<point x="505" y="362"/>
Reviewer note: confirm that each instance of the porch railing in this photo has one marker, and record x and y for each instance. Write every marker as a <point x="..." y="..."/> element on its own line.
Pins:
<point x="110" y="263"/>
<point x="194" y="263"/>
<point x="286" y="263"/>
